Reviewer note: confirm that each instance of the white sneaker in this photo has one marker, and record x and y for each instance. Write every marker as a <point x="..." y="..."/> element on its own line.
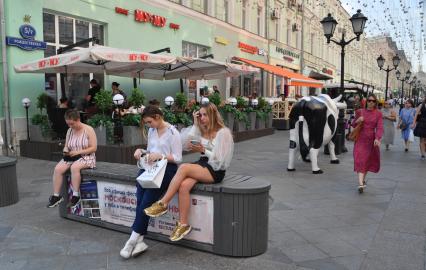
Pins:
<point x="126" y="252"/>
<point x="139" y="248"/>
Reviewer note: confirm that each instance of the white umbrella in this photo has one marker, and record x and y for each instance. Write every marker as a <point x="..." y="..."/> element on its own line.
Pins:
<point x="96" y="59"/>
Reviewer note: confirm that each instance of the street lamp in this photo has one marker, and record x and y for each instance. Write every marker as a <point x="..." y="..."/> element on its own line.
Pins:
<point x="205" y="100"/>
<point x="118" y="100"/>
<point x="412" y="84"/>
<point x="232" y="101"/>
<point x="381" y="62"/>
<point x="358" y="21"/>
<point x="254" y="102"/>
<point x="169" y="101"/>
<point x="26" y="102"/>
<point x="406" y="78"/>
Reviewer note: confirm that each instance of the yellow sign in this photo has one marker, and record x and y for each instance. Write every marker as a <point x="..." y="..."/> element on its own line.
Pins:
<point x="221" y="40"/>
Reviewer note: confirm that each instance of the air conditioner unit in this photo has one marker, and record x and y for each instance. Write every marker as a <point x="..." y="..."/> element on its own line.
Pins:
<point x="275" y="15"/>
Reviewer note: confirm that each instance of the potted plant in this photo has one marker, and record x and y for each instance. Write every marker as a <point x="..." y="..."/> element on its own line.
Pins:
<point x="183" y="120"/>
<point x="260" y="119"/>
<point x="216" y="99"/>
<point x="251" y="114"/>
<point x="267" y="109"/>
<point x="132" y="130"/>
<point x="241" y="120"/>
<point x="102" y="122"/>
<point x="228" y="115"/>
<point x="40" y="129"/>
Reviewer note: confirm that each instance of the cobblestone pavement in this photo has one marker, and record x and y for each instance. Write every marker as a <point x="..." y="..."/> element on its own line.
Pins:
<point x="315" y="221"/>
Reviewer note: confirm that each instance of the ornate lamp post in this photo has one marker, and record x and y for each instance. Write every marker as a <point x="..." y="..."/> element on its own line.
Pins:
<point x="358" y="21"/>
<point x="118" y="100"/>
<point x="26" y="102"/>
<point x="406" y="78"/>
<point x="381" y="62"/>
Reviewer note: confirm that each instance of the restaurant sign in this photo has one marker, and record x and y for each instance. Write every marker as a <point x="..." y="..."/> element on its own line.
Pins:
<point x="146" y="17"/>
<point x="27" y="41"/>
<point x="251" y="49"/>
<point x="327" y="71"/>
<point x="287" y="55"/>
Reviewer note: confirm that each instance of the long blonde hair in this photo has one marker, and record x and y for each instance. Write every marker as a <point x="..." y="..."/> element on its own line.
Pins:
<point x="215" y="119"/>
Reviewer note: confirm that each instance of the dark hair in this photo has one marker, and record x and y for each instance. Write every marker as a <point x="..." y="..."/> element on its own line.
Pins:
<point x="115" y="83"/>
<point x="72" y="114"/>
<point x="62" y="100"/>
<point x="375" y="98"/>
<point x="151" y="111"/>
<point x="93" y="81"/>
<point x="154" y="102"/>
<point x="411" y="102"/>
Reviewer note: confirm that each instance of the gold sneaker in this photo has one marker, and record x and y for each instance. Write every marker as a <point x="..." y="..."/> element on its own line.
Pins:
<point x="180" y="232"/>
<point x="156" y="209"/>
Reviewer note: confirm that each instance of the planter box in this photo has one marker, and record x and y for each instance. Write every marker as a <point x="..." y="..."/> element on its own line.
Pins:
<point x="252" y="120"/>
<point x="36" y="134"/>
<point x="260" y="123"/>
<point x="269" y="120"/>
<point x="133" y="136"/>
<point x="240" y="126"/>
<point x="229" y="120"/>
<point x="101" y="135"/>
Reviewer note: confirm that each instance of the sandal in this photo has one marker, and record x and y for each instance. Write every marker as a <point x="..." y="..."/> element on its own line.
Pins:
<point x="360" y="189"/>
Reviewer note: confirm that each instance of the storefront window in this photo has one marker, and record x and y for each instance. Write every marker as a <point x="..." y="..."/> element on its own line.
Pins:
<point x="198" y="5"/>
<point x="81" y="31"/>
<point x="71" y="30"/>
<point x="194" y="50"/>
<point x="48" y="27"/>
<point x="65" y="30"/>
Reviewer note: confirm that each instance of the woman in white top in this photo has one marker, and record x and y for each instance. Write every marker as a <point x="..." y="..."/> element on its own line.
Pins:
<point x="163" y="142"/>
<point x="214" y="141"/>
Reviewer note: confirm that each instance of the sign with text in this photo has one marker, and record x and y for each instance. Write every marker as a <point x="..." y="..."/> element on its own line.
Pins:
<point x="200" y="218"/>
<point x="27" y="42"/>
<point x="117" y="203"/>
<point x="289" y="57"/>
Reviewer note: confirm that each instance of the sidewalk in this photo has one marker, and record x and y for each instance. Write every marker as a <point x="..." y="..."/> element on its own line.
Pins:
<point x="315" y="221"/>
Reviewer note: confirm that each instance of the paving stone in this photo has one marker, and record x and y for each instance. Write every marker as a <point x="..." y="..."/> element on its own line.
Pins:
<point x="328" y="264"/>
<point x="302" y="253"/>
<point x="350" y="262"/>
<point x="338" y="248"/>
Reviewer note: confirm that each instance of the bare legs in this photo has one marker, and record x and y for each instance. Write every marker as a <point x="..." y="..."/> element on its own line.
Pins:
<point x="422" y="146"/>
<point x="361" y="178"/>
<point x="59" y="171"/>
<point x="407" y="145"/>
<point x="185" y="178"/>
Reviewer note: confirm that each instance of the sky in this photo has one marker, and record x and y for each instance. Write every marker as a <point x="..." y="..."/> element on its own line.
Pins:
<point x="403" y="20"/>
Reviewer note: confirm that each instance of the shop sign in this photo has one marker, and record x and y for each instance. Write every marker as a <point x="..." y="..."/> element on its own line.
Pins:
<point x="250" y="49"/>
<point x="287" y="53"/>
<point x="221" y="40"/>
<point x="27" y="41"/>
<point x="143" y="16"/>
<point x="122" y="11"/>
<point x="327" y="71"/>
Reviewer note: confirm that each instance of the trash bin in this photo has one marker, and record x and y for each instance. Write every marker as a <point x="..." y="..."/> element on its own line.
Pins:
<point x="8" y="181"/>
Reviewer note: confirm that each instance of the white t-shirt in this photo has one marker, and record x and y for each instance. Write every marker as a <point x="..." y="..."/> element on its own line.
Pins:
<point x="168" y="144"/>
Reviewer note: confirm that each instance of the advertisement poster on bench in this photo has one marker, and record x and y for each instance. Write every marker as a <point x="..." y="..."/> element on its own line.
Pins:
<point x="89" y="204"/>
<point x="200" y="218"/>
<point x="117" y="203"/>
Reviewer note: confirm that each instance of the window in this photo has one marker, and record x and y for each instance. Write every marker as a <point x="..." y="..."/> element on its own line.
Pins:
<point x="289" y="30"/>
<point x="226" y="10"/>
<point x="312" y="43"/>
<point x="259" y="21"/>
<point x="198" y="5"/>
<point x="244" y="14"/>
<point x="220" y="10"/>
<point x="194" y="50"/>
<point x="60" y="31"/>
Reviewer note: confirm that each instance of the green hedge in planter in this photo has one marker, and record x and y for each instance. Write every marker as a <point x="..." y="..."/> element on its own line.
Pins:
<point x="137" y="98"/>
<point x="42" y="121"/>
<point x="98" y="120"/>
<point x="131" y="120"/>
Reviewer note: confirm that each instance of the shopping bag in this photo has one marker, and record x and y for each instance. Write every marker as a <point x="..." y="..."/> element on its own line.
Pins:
<point x="411" y="136"/>
<point x="153" y="175"/>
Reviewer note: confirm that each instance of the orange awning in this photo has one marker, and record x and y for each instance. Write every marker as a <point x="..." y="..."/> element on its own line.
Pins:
<point x="295" y="79"/>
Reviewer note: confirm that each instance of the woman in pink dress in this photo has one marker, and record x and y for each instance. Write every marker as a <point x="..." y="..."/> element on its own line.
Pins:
<point x="367" y="147"/>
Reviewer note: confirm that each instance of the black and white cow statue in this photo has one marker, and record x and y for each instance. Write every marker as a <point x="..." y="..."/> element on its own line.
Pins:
<point x="313" y="122"/>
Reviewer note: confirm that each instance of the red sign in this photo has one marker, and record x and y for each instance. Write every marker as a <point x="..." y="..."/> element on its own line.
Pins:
<point x="327" y="71"/>
<point x="248" y="48"/>
<point x="121" y="11"/>
<point x="174" y="26"/>
<point x="143" y="16"/>
<point x="135" y="57"/>
<point x="48" y="62"/>
<point x="288" y="58"/>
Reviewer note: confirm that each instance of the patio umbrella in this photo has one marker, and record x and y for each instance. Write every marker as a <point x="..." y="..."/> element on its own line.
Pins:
<point x="96" y="59"/>
<point x="185" y="68"/>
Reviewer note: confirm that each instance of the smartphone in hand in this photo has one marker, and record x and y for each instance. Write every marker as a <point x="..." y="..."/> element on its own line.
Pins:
<point x="195" y="142"/>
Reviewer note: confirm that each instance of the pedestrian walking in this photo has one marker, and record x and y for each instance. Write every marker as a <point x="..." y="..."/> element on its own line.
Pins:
<point x="406" y="119"/>
<point x="214" y="142"/>
<point x="420" y="126"/>
<point x="367" y="146"/>
<point x="163" y="142"/>
<point x="389" y="119"/>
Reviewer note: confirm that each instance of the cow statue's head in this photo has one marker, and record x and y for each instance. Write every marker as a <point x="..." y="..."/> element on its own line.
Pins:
<point x="340" y="105"/>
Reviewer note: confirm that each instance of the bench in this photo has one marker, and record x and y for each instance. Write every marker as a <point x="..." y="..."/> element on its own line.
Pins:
<point x="8" y="181"/>
<point x="230" y="218"/>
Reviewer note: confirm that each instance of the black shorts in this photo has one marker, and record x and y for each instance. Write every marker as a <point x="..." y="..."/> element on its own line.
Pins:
<point x="217" y="175"/>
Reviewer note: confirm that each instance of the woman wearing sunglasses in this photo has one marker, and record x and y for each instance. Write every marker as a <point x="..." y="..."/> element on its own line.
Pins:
<point x="367" y="146"/>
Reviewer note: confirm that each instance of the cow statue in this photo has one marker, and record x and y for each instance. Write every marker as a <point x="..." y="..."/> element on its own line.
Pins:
<point x="313" y="122"/>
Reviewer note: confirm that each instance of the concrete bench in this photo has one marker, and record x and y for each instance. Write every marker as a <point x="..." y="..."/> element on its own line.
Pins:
<point x="8" y="181"/>
<point x="230" y="218"/>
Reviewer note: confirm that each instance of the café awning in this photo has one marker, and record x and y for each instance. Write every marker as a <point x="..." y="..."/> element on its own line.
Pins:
<point x="295" y="79"/>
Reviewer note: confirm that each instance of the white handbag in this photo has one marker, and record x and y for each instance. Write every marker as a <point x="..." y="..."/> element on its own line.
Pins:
<point x="153" y="175"/>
